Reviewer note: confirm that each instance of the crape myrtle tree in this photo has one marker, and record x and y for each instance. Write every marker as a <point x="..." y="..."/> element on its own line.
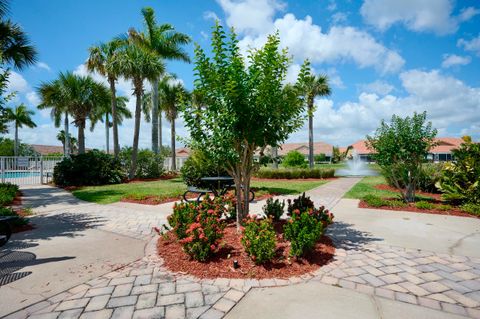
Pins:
<point x="400" y="147"/>
<point x="245" y="106"/>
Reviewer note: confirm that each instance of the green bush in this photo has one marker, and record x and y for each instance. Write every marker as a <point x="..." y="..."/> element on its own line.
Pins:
<point x="8" y="212"/>
<point x="149" y="165"/>
<point x="91" y="168"/>
<point x="374" y="201"/>
<point x="302" y="203"/>
<point x="198" y="165"/>
<point x="424" y="205"/>
<point x="427" y="176"/>
<point x="294" y="159"/>
<point x="297" y="173"/>
<point x="303" y="230"/>
<point x="7" y="193"/>
<point x="471" y="208"/>
<point x="184" y="214"/>
<point x="274" y="209"/>
<point x="259" y="240"/>
<point x="320" y="157"/>
<point x="395" y="203"/>
<point x="444" y="207"/>
<point x="460" y="182"/>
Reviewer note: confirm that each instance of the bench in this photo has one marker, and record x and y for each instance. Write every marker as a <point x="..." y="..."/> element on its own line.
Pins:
<point x="5" y="229"/>
<point x="200" y="191"/>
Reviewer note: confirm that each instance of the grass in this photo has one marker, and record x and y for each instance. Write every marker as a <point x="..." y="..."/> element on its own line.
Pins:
<point x="108" y="194"/>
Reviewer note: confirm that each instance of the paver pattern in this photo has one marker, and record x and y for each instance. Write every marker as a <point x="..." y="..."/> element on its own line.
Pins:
<point x="146" y="289"/>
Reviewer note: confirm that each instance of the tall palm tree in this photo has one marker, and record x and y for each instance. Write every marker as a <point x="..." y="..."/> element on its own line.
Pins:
<point x="104" y="115"/>
<point x="138" y="64"/>
<point x="20" y="116"/>
<point x="171" y="95"/>
<point x="53" y="97"/>
<point x="62" y="137"/>
<point x="165" y="42"/>
<point x="101" y="60"/>
<point x="313" y="86"/>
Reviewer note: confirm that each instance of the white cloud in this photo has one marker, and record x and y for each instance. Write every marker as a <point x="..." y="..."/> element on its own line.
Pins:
<point x="304" y="39"/>
<point x="43" y="65"/>
<point x="377" y="87"/>
<point x="432" y="91"/>
<point x="339" y="18"/>
<point x="251" y="16"/>
<point x="470" y="45"/>
<point x="210" y="15"/>
<point x="16" y="82"/>
<point x="450" y="60"/>
<point x="33" y="98"/>
<point x="417" y="15"/>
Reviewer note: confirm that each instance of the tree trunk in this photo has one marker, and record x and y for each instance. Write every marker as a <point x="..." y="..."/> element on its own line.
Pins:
<point x="15" y="148"/>
<point x="410" y="189"/>
<point x="107" y="134"/>
<point x="275" y="157"/>
<point x="136" y="133"/>
<point x="116" y="146"/>
<point x="67" y="136"/>
<point x="81" y="137"/>
<point x="310" y="136"/>
<point x="160" y="135"/>
<point x="174" y="156"/>
<point x="155" y="116"/>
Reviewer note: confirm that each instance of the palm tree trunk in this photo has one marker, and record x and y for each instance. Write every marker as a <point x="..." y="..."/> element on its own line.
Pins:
<point x="155" y="133"/>
<point x="160" y="130"/>
<point x="310" y="138"/>
<point x="116" y="146"/>
<point x="174" y="156"/>
<point x="136" y="133"/>
<point x="15" y="148"/>
<point x="81" y="137"/>
<point x="67" y="136"/>
<point x="107" y="134"/>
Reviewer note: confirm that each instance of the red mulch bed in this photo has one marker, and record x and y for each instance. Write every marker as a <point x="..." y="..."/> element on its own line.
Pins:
<point x="221" y="266"/>
<point x="455" y="211"/>
<point x="17" y="201"/>
<point x="291" y="179"/>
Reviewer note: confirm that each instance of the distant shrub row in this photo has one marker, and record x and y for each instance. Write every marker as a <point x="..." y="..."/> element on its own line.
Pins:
<point x="298" y="173"/>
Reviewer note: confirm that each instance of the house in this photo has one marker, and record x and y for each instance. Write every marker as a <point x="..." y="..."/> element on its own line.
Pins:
<point x="440" y="153"/>
<point x="47" y="149"/>
<point x="182" y="152"/>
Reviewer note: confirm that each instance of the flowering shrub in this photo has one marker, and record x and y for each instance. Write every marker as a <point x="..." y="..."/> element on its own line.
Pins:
<point x="323" y="215"/>
<point x="274" y="209"/>
<point x="302" y="203"/>
<point x="303" y="230"/>
<point x="184" y="214"/>
<point x="259" y="240"/>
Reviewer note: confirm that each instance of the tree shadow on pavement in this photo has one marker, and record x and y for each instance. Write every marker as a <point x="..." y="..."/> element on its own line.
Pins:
<point x="346" y="237"/>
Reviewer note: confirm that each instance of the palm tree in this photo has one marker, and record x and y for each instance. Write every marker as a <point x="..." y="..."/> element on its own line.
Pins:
<point x="62" y="137"/>
<point x="122" y="113"/>
<point x="101" y="60"/>
<point x="165" y="42"/>
<point x="171" y="95"/>
<point x="313" y="86"/>
<point x="20" y="116"/>
<point x="53" y="96"/>
<point x="137" y="64"/>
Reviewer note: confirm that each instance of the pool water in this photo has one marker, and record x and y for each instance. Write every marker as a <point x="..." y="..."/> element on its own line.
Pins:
<point x="19" y="174"/>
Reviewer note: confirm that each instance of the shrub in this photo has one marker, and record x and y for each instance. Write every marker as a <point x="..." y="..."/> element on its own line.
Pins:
<point x="204" y="234"/>
<point x="199" y="165"/>
<point x="8" y="212"/>
<point x="302" y="203"/>
<point x="320" y="157"/>
<point x="444" y="207"/>
<point x="303" y="230"/>
<point x="297" y="173"/>
<point x="294" y="159"/>
<point x="259" y="239"/>
<point x="323" y="215"/>
<point x="184" y="214"/>
<point x="374" y="201"/>
<point x="7" y="193"/>
<point x="424" y="205"/>
<point x="427" y="176"/>
<point x="460" y="182"/>
<point x="149" y="164"/>
<point x="91" y="168"/>
<point x="395" y="203"/>
<point x="471" y="208"/>
<point x="274" y="209"/>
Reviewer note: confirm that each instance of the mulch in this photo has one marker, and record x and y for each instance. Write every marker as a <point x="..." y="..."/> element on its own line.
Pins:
<point x="455" y="211"/>
<point x="292" y="179"/>
<point x="16" y="203"/>
<point x="221" y="264"/>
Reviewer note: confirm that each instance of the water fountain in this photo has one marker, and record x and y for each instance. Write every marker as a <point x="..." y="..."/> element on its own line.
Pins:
<point x="356" y="167"/>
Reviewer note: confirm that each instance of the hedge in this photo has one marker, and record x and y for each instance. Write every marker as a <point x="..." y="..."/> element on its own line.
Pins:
<point x="298" y="173"/>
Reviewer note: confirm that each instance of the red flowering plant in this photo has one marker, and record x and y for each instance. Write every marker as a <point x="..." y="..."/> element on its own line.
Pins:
<point x="322" y="214"/>
<point x="183" y="215"/>
<point x="259" y="239"/>
<point x="303" y="230"/>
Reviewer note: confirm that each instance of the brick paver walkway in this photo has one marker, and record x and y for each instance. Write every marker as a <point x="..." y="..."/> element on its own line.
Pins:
<point x="146" y="289"/>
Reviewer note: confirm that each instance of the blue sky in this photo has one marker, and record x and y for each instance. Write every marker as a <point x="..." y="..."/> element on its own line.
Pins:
<point x="383" y="57"/>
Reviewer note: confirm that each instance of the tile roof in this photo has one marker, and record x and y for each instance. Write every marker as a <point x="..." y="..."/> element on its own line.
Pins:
<point x="47" y="149"/>
<point x="318" y="148"/>
<point x="445" y="145"/>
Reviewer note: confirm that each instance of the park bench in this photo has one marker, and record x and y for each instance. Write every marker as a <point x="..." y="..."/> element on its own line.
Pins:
<point x="5" y="229"/>
<point x="195" y="190"/>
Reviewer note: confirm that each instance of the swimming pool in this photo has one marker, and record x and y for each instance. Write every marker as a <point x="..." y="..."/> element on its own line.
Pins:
<point x="19" y="174"/>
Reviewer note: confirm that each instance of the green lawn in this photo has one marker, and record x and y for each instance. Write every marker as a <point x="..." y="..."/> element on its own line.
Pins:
<point x="175" y="187"/>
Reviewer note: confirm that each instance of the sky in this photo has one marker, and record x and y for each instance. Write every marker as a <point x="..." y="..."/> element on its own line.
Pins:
<point x="382" y="57"/>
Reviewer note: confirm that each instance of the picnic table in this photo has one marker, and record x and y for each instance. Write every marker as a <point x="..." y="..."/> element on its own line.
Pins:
<point x="215" y="185"/>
